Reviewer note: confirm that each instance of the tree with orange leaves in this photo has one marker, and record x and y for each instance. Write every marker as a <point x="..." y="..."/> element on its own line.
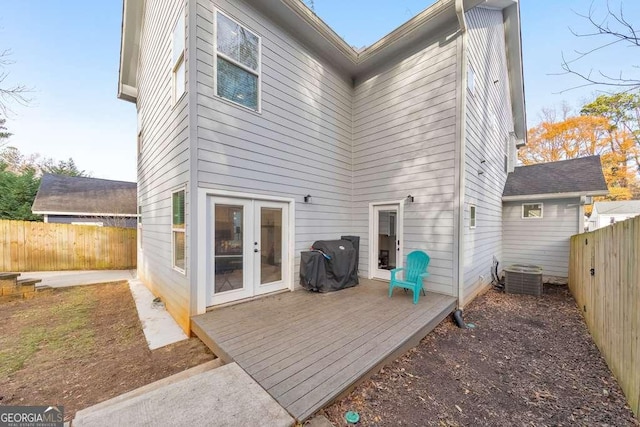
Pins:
<point x="586" y="135"/>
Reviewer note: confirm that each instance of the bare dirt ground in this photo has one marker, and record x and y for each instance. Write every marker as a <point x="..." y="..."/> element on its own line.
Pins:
<point x="80" y="346"/>
<point x="530" y="361"/>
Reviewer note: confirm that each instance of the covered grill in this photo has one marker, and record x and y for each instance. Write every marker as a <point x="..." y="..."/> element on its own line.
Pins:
<point x="331" y="265"/>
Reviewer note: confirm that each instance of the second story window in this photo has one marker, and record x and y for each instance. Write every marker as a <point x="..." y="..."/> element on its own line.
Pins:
<point x="178" y="70"/>
<point x="237" y="63"/>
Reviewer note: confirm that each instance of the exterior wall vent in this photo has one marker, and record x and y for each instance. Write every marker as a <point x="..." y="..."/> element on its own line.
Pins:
<point x="523" y="279"/>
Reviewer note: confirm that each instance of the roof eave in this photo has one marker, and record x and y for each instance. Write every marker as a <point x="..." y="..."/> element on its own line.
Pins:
<point x="91" y="214"/>
<point x="516" y="74"/>
<point x="129" y="49"/>
<point x="440" y="9"/>
<point x="307" y="26"/>
<point x="568" y="195"/>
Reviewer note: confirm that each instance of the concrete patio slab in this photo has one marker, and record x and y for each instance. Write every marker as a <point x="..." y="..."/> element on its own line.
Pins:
<point x="225" y="396"/>
<point x="157" y="324"/>
<point x="62" y="279"/>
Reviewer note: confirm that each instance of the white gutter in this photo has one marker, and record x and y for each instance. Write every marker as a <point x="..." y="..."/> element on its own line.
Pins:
<point x="84" y="214"/>
<point x="463" y="136"/>
<point x="571" y="195"/>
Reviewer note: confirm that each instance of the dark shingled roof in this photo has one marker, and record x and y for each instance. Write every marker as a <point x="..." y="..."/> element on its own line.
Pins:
<point x="73" y="194"/>
<point x="567" y="176"/>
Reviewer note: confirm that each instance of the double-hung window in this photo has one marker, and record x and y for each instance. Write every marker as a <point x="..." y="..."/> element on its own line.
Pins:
<point x="178" y="70"/>
<point x="178" y="230"/>
<point x="237" y="63"/>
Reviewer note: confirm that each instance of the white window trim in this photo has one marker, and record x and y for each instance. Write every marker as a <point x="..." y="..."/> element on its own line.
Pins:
<point x="179" y="61"/>
<point x="179" y="230"/>
<point x="257" y="73"/>
<point x="533" y="217"/>
<point x="473" y="216"/>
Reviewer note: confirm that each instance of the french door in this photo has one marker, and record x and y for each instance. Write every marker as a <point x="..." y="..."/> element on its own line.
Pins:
<point x="386" y="240"/>
<point x="247" y="248"/>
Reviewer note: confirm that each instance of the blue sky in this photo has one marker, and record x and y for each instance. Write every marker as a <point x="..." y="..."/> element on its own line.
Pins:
<point x="67" y="51"/>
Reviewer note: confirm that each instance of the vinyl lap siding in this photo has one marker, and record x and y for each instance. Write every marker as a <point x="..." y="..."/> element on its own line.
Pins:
<point x="107" y="221"/>
<point x="404" y="126"/>
<point x="485" y="145"/>
<point x="299" y="144"/>
<point x="544" y="241"/>
<point x="164" y="163"/>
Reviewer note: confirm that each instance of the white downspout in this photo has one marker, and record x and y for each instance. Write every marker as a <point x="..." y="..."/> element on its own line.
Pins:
<point x="463" y="138"/>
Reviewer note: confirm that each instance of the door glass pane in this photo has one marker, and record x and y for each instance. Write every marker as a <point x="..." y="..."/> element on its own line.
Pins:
<point x="228" y="248"/>
<point x="271" y="245"/>
<point x="387" y="220"/>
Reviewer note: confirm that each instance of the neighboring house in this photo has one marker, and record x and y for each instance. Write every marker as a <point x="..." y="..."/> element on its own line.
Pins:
<point x="262" y="131"/>
<point x="543" y="206"/>
<point x="86" y="201"/>
<point x="606" y="213"/>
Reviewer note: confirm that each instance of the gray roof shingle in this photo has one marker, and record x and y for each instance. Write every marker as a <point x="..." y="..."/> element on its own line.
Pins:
<point x="73" y="195"/>
<point x="567" y="176"/>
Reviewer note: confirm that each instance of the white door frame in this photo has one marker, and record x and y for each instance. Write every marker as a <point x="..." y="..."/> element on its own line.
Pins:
<point x="373" y="257"/>
<point x="248" y="225"/>
<point x="260" y="289"/>
<point x="202" y="231"/>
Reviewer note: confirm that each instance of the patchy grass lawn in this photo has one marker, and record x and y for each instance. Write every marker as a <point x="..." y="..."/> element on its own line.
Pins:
<point x="530" y="361"/>
<point x="80" y="346"/>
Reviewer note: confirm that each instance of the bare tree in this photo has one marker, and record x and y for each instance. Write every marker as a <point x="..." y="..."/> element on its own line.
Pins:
<point x="613" y="29"/>
<point x="13" y="93"/>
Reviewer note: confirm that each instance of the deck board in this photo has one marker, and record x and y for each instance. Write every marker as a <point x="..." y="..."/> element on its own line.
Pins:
<point x="306" y="349"/>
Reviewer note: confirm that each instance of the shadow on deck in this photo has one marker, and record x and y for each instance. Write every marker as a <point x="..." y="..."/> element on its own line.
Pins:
<point x="307" y="349"/>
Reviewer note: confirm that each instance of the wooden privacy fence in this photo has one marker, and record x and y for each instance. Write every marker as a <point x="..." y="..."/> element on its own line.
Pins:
<point x="604" y="274"/>
<point x="38" y="246"/>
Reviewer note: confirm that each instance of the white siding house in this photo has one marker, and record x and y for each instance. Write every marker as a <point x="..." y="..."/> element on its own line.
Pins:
<point x="543" y="206"/>
<point x="262" y="131"/>
<point x="607" y="213"/>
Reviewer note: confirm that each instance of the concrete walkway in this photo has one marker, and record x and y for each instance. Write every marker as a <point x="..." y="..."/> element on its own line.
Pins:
<point x="157" y="324"/>
<point x="224" y="396"/>
<point x="62" y="279"/>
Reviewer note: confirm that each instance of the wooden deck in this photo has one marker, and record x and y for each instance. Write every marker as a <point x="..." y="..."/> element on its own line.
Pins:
<point x="306" y="349"/>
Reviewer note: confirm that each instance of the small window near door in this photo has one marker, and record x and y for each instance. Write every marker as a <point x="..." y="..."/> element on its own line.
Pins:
<point x="472" y="216"/>
<point x="178" y="230"/>
<point x="532" y="210"/>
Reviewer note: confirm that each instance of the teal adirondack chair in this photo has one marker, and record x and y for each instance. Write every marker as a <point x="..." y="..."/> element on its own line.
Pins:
<point x="414" y="272"/>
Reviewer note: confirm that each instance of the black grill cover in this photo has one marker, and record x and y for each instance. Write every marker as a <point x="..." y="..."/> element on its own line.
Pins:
<point x="355" y="241"/>
<point x="317" y="273"/>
